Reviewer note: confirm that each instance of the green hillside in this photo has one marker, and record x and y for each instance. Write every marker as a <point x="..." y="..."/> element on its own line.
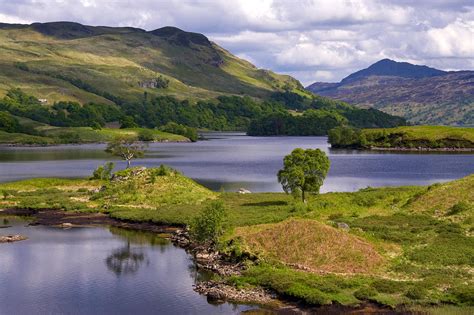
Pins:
<point x="73" y="62"/>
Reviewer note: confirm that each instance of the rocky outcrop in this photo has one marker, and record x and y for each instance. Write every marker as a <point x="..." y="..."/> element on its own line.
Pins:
<point x="205" y="257"/>
<point x="12" y="238"/>
<point x="220" y="292"/>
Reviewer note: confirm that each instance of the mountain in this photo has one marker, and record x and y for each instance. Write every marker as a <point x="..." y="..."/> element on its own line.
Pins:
<point x="74" y="62"/>
<point x="421" y="94"/>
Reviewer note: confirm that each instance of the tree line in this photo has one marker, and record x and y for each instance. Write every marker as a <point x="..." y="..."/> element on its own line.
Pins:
<point x="285" y="113"/>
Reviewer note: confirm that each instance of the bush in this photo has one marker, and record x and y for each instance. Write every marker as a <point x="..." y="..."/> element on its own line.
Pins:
<point x="209" y="224"/>
<point x="128" y="122"/>
<point x="459" y="207"/>
<point x="416" y="293"/>
<point x="146" y="135"/>
<point x="365" y="293"/>
<point x="104" y="172"/>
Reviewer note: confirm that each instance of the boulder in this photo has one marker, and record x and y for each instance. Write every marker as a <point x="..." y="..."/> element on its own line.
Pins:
<point x="244" y="191"/>
<point x="343" y="226"/>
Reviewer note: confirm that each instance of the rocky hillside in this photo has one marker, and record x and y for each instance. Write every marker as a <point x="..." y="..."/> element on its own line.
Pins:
<point x="69" y="61"/>
<point x="421" y="94"/>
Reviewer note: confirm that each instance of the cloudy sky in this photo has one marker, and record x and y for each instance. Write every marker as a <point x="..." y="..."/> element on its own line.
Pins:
<point x="313" y="40"/>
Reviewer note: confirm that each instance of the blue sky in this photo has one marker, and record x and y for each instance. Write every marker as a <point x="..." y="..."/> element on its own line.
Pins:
<point x="312" y="40"/>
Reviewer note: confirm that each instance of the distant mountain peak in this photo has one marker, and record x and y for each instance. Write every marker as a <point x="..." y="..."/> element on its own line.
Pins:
<point x="388" y="67"/>
<point x="180" y="37"/>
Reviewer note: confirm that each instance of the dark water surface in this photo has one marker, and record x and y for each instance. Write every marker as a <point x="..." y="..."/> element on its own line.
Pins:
<point x="98" y="271"/>
<point x="231" y="161"/>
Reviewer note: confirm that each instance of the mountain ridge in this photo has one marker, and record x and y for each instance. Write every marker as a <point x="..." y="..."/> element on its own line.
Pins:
<point x="57" y="60"/>
<point x="421" y="94"/>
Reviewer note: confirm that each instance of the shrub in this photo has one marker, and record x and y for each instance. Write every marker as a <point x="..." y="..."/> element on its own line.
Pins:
<point x="209" y="224"/>
<point x="461" y="294"/>
<point x="104" y="172"/>
<point x="365" y="293"/>
<point x="416" y="293"/>
<point x="146" y="135"/>
<point x="388" y="286"/>
<point x="459" y="207"/>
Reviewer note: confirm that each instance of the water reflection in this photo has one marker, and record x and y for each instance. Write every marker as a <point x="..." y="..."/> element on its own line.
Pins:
<point x="125" y="261"/>
<point x="97" y="271"/>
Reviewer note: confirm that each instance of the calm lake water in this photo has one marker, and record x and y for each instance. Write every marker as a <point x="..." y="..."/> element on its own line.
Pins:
<point x="98" y="271"/>
<point x="229" y="161"/>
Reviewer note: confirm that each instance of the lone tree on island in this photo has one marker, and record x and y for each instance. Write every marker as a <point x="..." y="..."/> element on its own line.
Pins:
<point x="303" y="171"/>
<point x="126" y="148"/>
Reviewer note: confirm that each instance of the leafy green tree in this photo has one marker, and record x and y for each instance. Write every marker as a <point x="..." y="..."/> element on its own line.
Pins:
<point x="128" y="122"/>
<point x="209" y="224"/>
<point x="125" y="148"/>
<point x="303" y="171"/>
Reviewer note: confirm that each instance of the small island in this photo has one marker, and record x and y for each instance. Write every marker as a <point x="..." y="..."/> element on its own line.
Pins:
<point x="406" y="138"/>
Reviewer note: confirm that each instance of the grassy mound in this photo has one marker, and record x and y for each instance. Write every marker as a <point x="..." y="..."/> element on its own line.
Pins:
<point x="313" y="245"/>
<point x="453" y="200"/>
<point x="139" y="194"/>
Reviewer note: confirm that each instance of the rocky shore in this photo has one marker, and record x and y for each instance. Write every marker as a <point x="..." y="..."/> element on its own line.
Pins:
<point x="218" y="291"/>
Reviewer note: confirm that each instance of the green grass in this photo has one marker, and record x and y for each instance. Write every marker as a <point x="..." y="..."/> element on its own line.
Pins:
<point x="405" y="245"/>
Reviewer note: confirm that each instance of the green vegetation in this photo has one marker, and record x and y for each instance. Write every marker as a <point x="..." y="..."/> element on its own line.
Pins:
<point x="207" y="227"/>
<point x="104" y="172"/>
<point x="126" y="149"/>
<point x="413" y="137"/>
<point x="393" y="246"/>
<point x="174" y="116"/>
<point x="316" y="116"/>
<point x="303" y="171"/>
<point x="178" y="129"/>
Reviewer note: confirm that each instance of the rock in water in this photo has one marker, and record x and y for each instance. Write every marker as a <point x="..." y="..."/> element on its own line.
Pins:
<point x="12" y="238"/>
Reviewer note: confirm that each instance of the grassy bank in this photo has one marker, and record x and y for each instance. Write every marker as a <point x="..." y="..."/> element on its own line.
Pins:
<point x="75" y="135"/>
<point x="408" y="137"/>
<point x="393" y="246"/>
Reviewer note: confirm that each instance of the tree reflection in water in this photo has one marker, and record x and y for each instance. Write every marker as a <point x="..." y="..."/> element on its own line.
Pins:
<point x="125" y="261"/>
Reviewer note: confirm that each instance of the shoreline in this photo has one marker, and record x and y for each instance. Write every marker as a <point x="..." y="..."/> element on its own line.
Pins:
<point x="420" y="149"/>
<point x="25" y="145"/>
<point x="405" y="149"/>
